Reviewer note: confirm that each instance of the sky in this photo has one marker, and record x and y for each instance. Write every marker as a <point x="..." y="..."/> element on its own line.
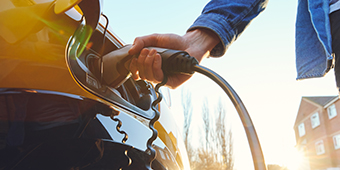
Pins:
<point x="260" y="66"/>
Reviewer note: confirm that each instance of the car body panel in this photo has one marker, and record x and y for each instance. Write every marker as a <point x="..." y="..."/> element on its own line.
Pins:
<point x="34" y="41"/>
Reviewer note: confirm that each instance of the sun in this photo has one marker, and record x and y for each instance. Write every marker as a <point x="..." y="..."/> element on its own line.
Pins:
<point x="295" y="159"/>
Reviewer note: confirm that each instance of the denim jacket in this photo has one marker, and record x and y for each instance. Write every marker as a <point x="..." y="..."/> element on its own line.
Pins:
<point x="313" y="40"/>
<point x="229" y="18"/>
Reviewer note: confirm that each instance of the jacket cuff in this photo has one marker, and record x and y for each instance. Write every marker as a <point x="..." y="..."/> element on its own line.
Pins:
<point x="217" y="24"/>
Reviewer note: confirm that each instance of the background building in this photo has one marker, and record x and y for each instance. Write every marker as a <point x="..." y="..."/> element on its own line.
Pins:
<point x="317" y="132"/>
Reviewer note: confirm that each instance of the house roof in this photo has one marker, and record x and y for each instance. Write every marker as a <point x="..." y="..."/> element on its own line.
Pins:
<point x="321" y="100"/>
<point x="310" y="103"/>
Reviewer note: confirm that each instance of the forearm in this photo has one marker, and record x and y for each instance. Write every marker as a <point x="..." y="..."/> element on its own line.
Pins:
<point x="228" y="19"/>
<point x="200" y="42"/>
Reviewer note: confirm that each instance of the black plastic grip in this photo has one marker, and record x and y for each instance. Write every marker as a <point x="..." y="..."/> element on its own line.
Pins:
<point x="113" y="68"/>
<point x="175" y="61"/>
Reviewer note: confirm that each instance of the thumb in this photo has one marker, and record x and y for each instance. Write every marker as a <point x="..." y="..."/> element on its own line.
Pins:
<point x="136" y="47"/>
<point x="141" y="42"/>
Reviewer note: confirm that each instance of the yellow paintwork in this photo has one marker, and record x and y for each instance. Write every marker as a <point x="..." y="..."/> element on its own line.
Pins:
<point x="64" y="5"/>
<point x="35" y="59"/>
<point x="170" y="140"/>
<point x="18" y="14"/>
<point x="33" y="54"/>
<point x="37" y="65"/>
<point x="19" y="17"/>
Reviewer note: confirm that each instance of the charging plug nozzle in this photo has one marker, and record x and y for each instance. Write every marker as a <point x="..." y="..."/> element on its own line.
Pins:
<point x="114" y="67"/>
<point x="176" y="61"/>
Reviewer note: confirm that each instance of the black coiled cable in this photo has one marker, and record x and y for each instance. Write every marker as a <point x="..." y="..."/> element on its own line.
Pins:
<point x="174" y="62"/>
<point x="152" y="122"/>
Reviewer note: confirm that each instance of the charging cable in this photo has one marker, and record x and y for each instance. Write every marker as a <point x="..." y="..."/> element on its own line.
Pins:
<point x="180" y="62"/>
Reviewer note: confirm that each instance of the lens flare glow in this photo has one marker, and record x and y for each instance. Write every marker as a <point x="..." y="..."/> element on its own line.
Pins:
<point x="295" y="160"/>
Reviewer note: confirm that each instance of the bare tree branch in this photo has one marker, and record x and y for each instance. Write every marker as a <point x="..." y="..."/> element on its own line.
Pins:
<point x="217" y="151"/>
<point x="187" y="112"/>
<point x="206" y="122"/>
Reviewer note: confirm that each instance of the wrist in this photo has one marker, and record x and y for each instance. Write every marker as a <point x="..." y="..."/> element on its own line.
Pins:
<point x="201" y="41"/>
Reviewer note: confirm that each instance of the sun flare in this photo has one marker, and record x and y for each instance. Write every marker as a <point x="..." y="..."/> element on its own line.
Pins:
<point x="295" y="159"/>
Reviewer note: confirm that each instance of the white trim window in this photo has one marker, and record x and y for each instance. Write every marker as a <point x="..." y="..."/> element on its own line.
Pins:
<point x="336" y="140"/>
<point x="315" y="120"/>
<point x="331" y="111"/>
<point x="319" y="147"/>
<point x="301" y="129"/>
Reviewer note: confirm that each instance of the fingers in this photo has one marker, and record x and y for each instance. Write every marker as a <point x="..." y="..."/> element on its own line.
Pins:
<point x="171" y="41"/>
<point x="140" y="63"/>
<point x="157" y="67"/>
<point x="134" y="69"/>
<point x="141" y="42"/>
<point x="148" y="66"/>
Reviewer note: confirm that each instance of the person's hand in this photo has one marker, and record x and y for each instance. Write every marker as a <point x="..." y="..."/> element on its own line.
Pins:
<point x="198" y="43"/>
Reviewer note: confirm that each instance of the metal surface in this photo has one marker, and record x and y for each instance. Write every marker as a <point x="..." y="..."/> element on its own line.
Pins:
<point x="33" y="59"/>
<point x="254" y="143"/>
<point x="64" y="5"/>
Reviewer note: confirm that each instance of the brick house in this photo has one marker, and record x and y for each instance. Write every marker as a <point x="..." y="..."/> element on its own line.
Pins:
<point x="317" y="132"/>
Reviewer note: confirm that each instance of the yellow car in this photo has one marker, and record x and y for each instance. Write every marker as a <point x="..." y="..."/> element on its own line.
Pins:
<point x="56" y="112"/>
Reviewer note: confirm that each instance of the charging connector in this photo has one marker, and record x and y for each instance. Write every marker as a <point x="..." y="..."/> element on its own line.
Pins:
<point x="181" y="62"/>
<point x="114" y="71"/>
<point x="177" y="62"/>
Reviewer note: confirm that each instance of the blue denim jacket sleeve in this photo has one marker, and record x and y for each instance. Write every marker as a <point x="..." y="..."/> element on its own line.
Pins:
<point x="313" y="39"/>
<point x="228" y="19"/>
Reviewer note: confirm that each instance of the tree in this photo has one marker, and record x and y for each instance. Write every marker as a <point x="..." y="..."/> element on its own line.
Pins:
<point x="187" y="113"/>
<point x="276" y="167"/>
<point x="206" y="161"/>
<point x="217" y="150"/>
<point x="230" y="152"/>
<point x="206" y="123"/>
<point x="224" y="140"/>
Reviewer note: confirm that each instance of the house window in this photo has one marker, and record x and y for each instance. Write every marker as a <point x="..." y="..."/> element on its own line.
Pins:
<point x="336" y="140"/>
<point x="319" y="147"/>
<point x="331" y="111"/>
<point x="301" y="128"/>
<point x="315" y="120"/>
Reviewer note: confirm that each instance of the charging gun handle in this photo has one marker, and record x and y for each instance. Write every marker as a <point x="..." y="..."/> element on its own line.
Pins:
<point x="114" y="67"/>
<point x="176" y="61"/>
